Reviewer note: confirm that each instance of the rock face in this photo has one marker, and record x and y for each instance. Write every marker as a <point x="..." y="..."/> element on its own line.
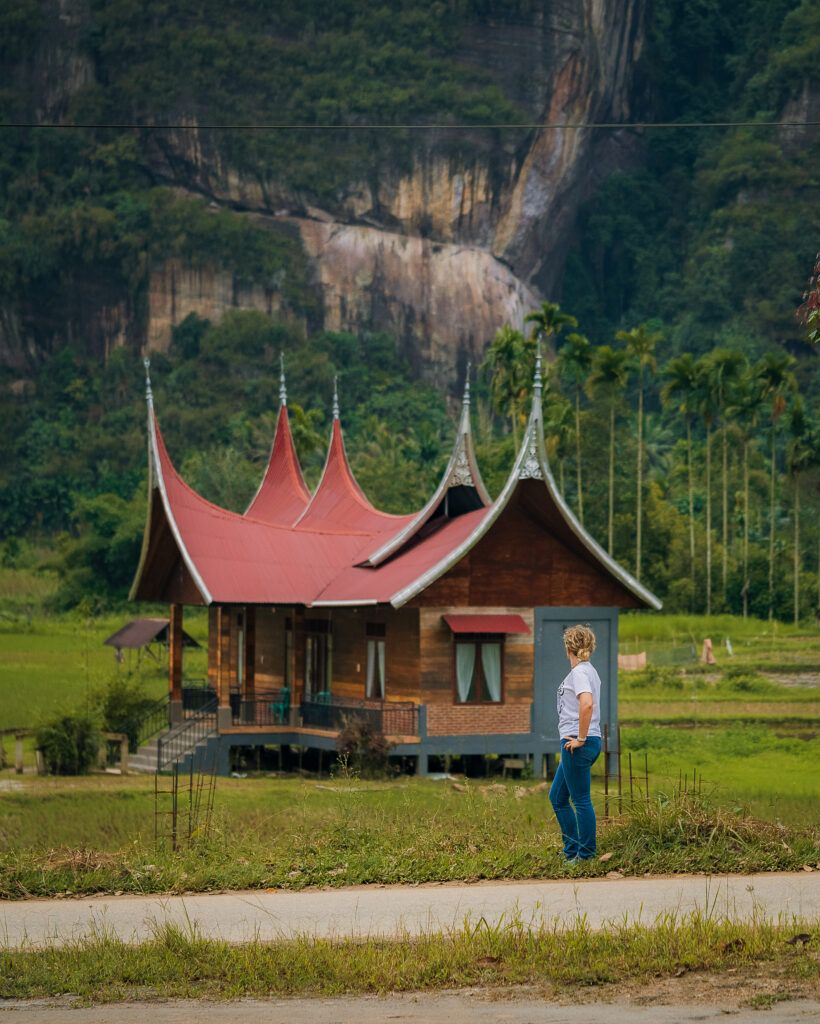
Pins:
<point x="467" y="237"/>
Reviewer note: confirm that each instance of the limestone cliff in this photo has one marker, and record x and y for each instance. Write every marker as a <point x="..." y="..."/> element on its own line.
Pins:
<point x="441" y="249"/>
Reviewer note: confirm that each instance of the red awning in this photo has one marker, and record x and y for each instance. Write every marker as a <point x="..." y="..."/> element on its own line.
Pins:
<point x="486" y="623"/>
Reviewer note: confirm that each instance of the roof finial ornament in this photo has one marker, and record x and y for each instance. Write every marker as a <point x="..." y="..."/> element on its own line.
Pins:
<point x="466" y="400"/>
<point x="149" y="394"/>
<point x="537" y="381"/>
<point x="335" y="398"/>
<point x="283" y="392"/>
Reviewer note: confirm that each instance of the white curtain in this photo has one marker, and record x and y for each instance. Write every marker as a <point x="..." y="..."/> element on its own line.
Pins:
<point x="371" y="667"/>
<point x="375" y="669"/>
<point x="465" y="663"/>
<point x="380" y="649"/>
<point x="491" y="663"/>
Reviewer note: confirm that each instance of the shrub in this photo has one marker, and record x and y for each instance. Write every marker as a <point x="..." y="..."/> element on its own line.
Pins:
<point x="69" y="744"/>
<point x="124" y="705"/>
<point x="363" y="746"/>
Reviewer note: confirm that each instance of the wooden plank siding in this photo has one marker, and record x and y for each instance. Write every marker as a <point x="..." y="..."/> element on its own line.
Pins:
<point x="524" y="561"/>
<point x="437" y="682"/>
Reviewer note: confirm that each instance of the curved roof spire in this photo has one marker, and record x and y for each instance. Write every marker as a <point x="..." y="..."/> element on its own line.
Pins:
<point x="282" y="495"/>
<point x="339" y="504"/>
<point x="460" y="489"/>
<point x="532" y="464"/>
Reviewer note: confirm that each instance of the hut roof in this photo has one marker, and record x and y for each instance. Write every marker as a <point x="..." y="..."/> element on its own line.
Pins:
<point x="139" y="632"/>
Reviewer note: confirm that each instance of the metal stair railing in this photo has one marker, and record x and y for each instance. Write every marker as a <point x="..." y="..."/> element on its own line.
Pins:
<point x="153" y="721"/>
<point x="198" y="726"/>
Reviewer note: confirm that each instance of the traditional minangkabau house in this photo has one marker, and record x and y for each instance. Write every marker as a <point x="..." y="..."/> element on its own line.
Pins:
<point x="444" y="626"/>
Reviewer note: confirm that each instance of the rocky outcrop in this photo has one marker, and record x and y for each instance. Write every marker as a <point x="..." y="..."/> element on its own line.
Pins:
<point x="442" y="248"/>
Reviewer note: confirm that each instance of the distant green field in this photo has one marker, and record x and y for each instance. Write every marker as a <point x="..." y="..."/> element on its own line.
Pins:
<point x="48" y="664"/>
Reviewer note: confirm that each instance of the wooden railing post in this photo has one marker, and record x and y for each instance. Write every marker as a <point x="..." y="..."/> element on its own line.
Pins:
<point x="175" y="664"/>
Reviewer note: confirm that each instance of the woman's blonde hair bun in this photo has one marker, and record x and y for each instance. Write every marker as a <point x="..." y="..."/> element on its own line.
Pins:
<point x="580" y="641"/>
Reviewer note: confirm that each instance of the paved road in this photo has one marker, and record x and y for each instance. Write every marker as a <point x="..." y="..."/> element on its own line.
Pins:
<point x="393" y="910"/>
<point x="452" y="1008"/>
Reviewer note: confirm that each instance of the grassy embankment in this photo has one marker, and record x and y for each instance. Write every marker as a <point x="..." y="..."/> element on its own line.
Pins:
<point x="553" y="960"/>
<point x="95" y="835"/>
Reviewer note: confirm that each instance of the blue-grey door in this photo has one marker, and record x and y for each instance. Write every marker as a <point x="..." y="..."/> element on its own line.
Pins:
<point x="551" y="666"/>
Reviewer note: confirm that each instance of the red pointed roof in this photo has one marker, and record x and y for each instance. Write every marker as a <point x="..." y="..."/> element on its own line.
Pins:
<point x="339" y="504"/>
<point x="323" y="557"/>
<point x="283" y="495"/>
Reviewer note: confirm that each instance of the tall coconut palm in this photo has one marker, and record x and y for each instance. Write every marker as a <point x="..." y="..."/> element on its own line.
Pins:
<point x="549" y="321"/>
<point x="801" y="453"/>
<point x="744" y="410"/>
<point x="680" y="391"/>
<point x="558" y="430"/>
<point x="575" y="362"/>
<point x="775" y="375"/>
<point x="640" y="346"/>
<point x="725" y="367"/>
<point x="608" y="381"/>
<point x="707" y="406"/>
<point x="507" y="363"/>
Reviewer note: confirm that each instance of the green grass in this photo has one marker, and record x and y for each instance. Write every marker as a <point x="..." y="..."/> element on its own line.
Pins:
<point x="756" y="643"/>
<point x="179" y="963"/>
<point x="48" y="664"/>
<point x="95" y="835"/>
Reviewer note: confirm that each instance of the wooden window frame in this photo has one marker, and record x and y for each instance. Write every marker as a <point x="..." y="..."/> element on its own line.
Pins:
<point x="478" y="639"/>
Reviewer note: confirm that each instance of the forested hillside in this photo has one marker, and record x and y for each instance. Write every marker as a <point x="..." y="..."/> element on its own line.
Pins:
<point x="706" y="235"/>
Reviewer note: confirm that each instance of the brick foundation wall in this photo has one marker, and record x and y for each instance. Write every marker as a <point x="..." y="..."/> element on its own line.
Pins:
<point x="477" y="720"/>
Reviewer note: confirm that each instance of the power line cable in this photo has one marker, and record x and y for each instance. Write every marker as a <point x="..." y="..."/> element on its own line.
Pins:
<point x="569" y="126"/>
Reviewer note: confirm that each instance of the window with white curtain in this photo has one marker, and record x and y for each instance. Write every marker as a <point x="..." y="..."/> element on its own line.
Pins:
<point x="479" y="670"/>
<point x="375" y="678"/>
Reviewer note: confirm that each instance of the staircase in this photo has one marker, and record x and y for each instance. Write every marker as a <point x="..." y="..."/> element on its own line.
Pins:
<point x="165" y="747"/>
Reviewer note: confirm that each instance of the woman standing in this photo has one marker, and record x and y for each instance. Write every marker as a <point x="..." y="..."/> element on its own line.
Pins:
<point x="579" y="726"/>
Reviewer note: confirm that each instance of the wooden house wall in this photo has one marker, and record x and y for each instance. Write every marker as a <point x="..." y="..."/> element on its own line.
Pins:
<point x="521" y="562"/>
<point x="437" y="683"/>
<point x="350" y="651"/>
<point x="270" y="648"/>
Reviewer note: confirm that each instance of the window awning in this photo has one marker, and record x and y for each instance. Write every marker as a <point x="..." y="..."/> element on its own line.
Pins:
<point x="486" y="623"/>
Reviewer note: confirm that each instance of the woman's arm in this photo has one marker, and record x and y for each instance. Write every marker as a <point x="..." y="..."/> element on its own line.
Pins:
<point x="584" y="718"/>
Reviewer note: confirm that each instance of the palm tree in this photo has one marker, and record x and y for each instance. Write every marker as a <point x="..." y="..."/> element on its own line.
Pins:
<point x="776" y="380"/>
<point x="549" y="321"/>
<point x="724" y="367"/>
<point x="575" y="360"/>
<point x="608" y="380"/>
<point x="640" y="346"/>
<point x="801" y="453"/>
<point x="558" y="431"/>
<point x="508" y="365"/>
<point x="744" y="410"/>
<point x="681" y="391"/>
<point x="707" y="407"/>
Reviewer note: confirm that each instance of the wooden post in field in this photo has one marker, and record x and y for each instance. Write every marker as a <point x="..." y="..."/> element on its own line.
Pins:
<point x="620" y="778"/>
<point x="124" y="750"/>
<point x="606" y="769"/>
<point x="631" y="795"/>
<point x="18" y="752"/>
<point x="175" y="663"/>
<point x="248" y="696"/>
<point x="224" y="719"/>
<point x="646" y="773"/>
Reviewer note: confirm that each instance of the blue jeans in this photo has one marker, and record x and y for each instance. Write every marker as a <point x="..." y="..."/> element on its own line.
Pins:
<point x="571" y="782"/>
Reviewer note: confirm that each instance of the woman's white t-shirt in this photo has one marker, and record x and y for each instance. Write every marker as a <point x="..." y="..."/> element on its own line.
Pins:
<point x="581" y="679"/>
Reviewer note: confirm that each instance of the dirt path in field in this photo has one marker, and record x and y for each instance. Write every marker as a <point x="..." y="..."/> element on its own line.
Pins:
<point x="390" y="911"/>
<point x="632" y="710"/>
<point x="711" y="999"/>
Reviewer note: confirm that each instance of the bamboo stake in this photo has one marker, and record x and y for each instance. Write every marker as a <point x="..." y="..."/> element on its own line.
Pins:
<point x="646" y="773"/>
<point x="631" y="794"/>
<point x="620" y="800"/>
